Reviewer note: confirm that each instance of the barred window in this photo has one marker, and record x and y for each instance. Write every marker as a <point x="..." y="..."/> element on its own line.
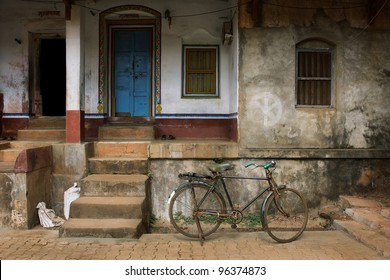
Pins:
<point x="314" y="77"/>
<point x="200" y="70"/>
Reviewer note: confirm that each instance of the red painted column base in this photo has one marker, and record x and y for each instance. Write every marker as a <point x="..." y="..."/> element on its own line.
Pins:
<point x="75" y="130"/>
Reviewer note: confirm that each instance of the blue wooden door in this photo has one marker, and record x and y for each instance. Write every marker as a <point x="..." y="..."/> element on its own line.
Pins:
<point x="132" y="72"/>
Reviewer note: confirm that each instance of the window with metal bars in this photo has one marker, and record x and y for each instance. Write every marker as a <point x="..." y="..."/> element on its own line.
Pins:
<point x="314" y="77"/>
<point x="200" y="70"/>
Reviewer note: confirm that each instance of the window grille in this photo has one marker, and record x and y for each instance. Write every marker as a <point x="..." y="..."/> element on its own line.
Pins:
<point x="200" y="71"/>
<point x="314" y="78"/>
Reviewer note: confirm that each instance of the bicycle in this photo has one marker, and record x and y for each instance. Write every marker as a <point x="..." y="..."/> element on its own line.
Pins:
<point x="197" y="207"/>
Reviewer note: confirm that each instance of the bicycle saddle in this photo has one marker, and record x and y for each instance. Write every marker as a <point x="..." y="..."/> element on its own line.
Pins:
<point x="220" y="167"/>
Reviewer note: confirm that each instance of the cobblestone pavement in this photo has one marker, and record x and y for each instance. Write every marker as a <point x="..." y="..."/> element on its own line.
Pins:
<point x="44" y="244"/>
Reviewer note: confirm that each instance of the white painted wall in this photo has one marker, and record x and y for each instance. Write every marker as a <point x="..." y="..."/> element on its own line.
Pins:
<point x="202" y="29"/>
<point x="18" y="18"/>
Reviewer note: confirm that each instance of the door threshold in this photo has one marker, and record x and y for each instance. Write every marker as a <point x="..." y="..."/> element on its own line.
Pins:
<point x="130" y="120"/>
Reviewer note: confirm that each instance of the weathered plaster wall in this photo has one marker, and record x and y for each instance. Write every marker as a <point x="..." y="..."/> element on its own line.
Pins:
<point x="17" y="20"/>
<point x="28" y="184"/>
<point x="203" y="29"/>
<point x="282" y="13"/>
<point x="360" y="116"/>
<point x="41" y="175"/>
<point x="39" y="186"/>
<point x="320" y="180"/>
<point x="69" y="166"/>
<point x="6" y="183"/>
<point x="20" y="194"/>
<point x="20" y="18"/>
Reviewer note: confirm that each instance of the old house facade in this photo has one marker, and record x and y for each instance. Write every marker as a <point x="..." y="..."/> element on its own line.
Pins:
<point x="303" y="82"/>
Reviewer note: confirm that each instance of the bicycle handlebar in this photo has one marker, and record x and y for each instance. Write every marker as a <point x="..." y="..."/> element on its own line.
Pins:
<point x="266" y="166"/>
<point x="201" y="176"/>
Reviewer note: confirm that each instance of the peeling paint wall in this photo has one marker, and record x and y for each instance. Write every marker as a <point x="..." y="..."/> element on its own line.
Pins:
<point x="319" y="180"/>
<point x="204" y="29"/>
<point x="17" y="20"/>
<point x="6" y="183"/>
<point x="20" y="194"/>
<point x="20" y="19"/>
<point x="360" y="115"/>
<point x="70" y="165"/>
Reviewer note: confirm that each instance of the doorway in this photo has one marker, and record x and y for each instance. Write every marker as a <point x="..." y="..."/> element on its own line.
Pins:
<point x="52" y="77"/>
<point x="131" y="71"/>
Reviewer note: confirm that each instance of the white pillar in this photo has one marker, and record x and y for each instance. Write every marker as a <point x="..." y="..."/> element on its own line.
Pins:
<point x="75" y="104"/>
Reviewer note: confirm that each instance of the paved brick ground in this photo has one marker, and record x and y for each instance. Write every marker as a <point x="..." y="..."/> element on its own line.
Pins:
<point x="44" y="244"/>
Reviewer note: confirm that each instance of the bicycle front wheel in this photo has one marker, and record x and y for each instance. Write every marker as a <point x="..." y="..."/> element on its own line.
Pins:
<point x="191" y="207"/>
<point x="285" y="215"/>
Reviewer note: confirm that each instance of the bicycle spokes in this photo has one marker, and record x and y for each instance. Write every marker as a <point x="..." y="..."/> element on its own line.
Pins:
<point x="285" y="215"/>
<point x="193" y="213"/>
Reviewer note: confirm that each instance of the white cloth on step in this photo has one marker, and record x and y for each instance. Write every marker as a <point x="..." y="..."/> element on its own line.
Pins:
<point x="70" y="195"/>
<point x="47" y="217"/>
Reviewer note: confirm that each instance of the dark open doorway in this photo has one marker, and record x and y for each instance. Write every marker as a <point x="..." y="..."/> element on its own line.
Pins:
<point x="52" y="66"/>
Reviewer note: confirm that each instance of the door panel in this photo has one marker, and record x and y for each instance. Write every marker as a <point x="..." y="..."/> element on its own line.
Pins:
<point x="132" y="72"/>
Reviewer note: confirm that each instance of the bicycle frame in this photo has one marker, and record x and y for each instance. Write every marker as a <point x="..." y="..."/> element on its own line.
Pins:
<point x="246" y="206"/>
<point x="272" y="187"/>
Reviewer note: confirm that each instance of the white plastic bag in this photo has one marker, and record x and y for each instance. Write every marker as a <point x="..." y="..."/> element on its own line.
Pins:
<point x="70" y="195"/>
<point x="47" y="217"/>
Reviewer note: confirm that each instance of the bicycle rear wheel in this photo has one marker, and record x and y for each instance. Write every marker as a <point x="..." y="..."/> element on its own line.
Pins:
<point x="189" y="205"/>
<point x="285" y="215"/>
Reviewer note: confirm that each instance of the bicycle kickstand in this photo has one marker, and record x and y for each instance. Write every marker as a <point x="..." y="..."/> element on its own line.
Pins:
<point x="200" y="231"/>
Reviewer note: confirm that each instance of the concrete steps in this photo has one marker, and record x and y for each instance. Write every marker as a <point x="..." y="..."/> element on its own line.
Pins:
<point x="10" y="150"/>
<point x="102" y="228"/>
<point x="9" y="154"/>
<point x="118" y="165"/>
<point x="126" y="132"/>
<point x="44" y="129"/>
<point x="114" y="185"/>
<point x="114" y="196"/>
<point x="45" y="122"/>
<point x="127" y="129"/>
<point x="46" y="134"/>
<point x="95" y="207"/>
<point x="7" y="166"/>
<point x="369" y="223"/>
<point x="117" y="149"/>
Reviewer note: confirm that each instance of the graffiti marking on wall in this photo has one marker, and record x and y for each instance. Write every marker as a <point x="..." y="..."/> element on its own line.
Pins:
<point x="272" y="109"/>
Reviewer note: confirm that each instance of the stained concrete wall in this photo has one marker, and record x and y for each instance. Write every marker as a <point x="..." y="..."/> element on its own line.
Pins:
<point x="360" y="115"/>
<point x="6" y="186"/>
<point x="320" y="180"/>
<point x="70" y="165"/>
<point x="20" y="194"/>
<point x="41" y="175"/>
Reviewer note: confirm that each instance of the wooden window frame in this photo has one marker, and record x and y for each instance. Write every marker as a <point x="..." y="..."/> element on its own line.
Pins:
<point x="213" y="92"/>
<point x="319" y="84"/>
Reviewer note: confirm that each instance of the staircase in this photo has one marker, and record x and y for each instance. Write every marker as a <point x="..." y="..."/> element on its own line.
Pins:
<point x="125" y="129"/>
<point x="368" y="222"/>
<point x="8" y="154"/>
<point x="44" y="129"/>
<point x="10" y="150"/>
<point x="114" y="200"/>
